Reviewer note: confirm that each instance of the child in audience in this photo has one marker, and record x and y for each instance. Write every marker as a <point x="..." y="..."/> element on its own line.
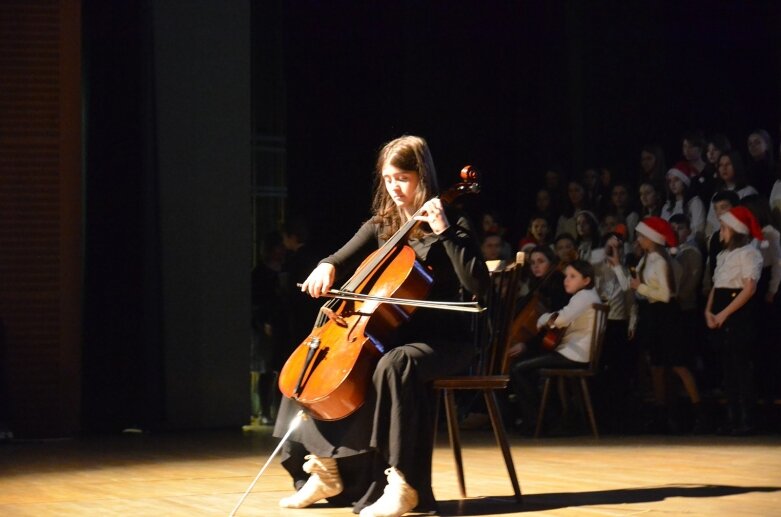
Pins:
<point x="536" y="235"/>
<point x="656" y="285"/>
<point x="566" y="248"/>
<point x="729" y="313"/>
<point x="575" y="347"/>
<point x="587" y="231"/>
<point x="682" y="200"/>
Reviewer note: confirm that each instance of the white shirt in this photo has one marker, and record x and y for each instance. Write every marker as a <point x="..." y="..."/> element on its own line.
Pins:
<point x="578" y="316"/>
<point x="775" y="203"/>
<point x="735" y="266"/>
<point x="695" y="211"/>
<point x="654" y="286"/>
<point x="612" y="284"/>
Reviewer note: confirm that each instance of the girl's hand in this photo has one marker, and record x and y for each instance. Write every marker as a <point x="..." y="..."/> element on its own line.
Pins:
<point x="319" y="280"/>
<point x="719" y="319"/>
<point x="433" y="213"/>
<point x="634" y="283"/>
<point x="710" y="320"/>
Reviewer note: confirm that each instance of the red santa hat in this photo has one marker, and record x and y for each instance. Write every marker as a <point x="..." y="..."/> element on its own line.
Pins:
<point x="684" y="171"/>
<point x="742" y="220"/>
<point x="659" y="231"/>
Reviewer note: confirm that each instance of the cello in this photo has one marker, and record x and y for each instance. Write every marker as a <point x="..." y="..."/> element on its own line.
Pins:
<point x="330" y="371"/>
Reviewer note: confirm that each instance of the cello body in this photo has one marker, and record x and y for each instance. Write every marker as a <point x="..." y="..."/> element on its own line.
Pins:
<point x="334" y="382"/>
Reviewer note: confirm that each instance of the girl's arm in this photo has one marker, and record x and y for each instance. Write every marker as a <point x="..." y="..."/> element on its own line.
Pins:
<point x="708" y="314"/>
<point x="745" y="294"/>
<point x="580" y="303"/>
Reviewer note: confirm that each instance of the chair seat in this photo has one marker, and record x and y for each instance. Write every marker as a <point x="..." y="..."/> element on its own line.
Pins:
<point x="477" y="382"/>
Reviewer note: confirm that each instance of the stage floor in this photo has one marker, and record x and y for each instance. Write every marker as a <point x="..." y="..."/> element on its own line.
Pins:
<point x="205" y="473"/>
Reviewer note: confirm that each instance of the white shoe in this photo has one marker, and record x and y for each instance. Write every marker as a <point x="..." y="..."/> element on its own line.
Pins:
<point x="397" y="499"/>
<point x="323" y="482"/>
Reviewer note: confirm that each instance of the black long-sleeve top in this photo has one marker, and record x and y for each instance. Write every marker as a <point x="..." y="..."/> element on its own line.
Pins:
<point x="454" y="261"/>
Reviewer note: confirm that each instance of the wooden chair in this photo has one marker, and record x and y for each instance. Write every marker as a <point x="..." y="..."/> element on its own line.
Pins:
<point x="561" y="374"/>
<point x="490" y="372"/>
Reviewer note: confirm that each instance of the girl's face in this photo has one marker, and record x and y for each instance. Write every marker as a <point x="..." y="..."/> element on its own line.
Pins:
<point x="647" y="162"/>
<point x="645" y="243"/>
<point x="575" y="193"/>
<point x="401" y="186"/>
<point x="566" y="251"/>
<point x="675" y="185"/>
<point x="539" y="229"/>
<point x="619" y="196"/>
<point x="726" y="233"/>
<point x="574" y="281"/>
<point x="539" y="264"/>
<point x="726" y="170"/>
<point x="647" y="196"/>
<point x="543" y="200"/>
<point x="756" y="146"/>
<point x="583" y="226"/>
<point x="713" y="154"/>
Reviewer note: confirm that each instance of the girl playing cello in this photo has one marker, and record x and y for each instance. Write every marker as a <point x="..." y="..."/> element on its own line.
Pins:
<point x="391" y="434"/>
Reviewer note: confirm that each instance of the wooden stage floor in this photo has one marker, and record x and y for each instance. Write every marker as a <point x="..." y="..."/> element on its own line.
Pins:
<point x="205" y="473"/>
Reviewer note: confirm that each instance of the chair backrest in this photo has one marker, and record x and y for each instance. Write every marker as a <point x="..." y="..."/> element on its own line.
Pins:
<point x="500" y="304"/>
<point x="598" y="334"/>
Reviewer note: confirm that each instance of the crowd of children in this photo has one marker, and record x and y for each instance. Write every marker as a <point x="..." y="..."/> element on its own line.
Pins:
<point x="688" y="260"/>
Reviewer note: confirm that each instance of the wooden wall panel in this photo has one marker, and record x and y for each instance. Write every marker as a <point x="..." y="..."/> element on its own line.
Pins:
<point x="40" y="212"/>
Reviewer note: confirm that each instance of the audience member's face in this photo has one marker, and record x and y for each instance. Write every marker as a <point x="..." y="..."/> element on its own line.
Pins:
<point x="713" y="154"/>
<point x="605" y="177"/>
<point x="552" y="179"/>
<point x="690" y="152"/>
<point x="644" y="242"/>
<point x="682" y="231"/>
<point x="539" y="229"/>
<point x="726" y="233"/>
<point x="756" y="146"/>
<point x="647" y="195"/>
<point x="590" y="177"/>
<point x="539" y="264"/>
<point x="609" y="223"/>
<point x="489" y="224"/>
<point x="574" y="281"/>
<point x="619" y="196"/>
<point x="675" y="185"/>
<point x="726" y="170"/>
<point x="721" y="207"/>
<point x="583" y="226"/>
<point x="647" y="162"/>
<point x="543" y="200"/>
<point x="566" y="251"/>
<point x="575" y="193"/>
<point x="492" y="247"/>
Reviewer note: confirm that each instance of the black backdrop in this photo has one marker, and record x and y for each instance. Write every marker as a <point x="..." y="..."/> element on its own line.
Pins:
<point x="510" y="87"/>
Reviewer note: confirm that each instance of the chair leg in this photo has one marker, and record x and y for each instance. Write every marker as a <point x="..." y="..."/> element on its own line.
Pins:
<point x="541" y="413"/>
<point x="589" y="408"/>
<point x="437" y="396"/>
<point x="455" y="438"/>
<point x="501" y="440"/>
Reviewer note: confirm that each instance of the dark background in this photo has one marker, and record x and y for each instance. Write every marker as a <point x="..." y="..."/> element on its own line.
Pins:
<point x="509" y="87"/>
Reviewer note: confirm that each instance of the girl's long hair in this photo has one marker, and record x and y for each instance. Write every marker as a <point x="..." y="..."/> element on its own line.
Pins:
<point x="407" y="153"/>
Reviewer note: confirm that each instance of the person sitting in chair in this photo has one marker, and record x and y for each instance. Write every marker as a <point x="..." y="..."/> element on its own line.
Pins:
<point x="574" y="322"/>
